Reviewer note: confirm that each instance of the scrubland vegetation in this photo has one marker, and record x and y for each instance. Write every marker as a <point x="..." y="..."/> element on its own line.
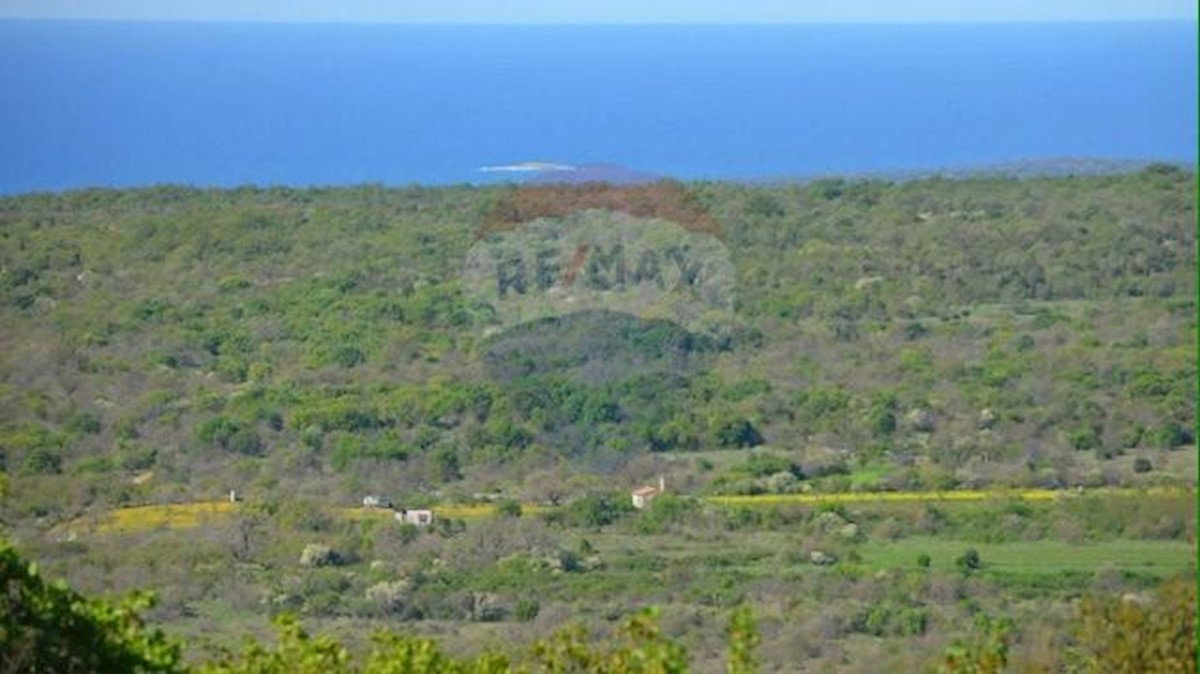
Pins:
<point x="306" y="347"/>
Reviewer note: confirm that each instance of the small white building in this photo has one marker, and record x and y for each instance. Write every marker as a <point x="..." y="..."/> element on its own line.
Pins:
<point x="642" y="496"/>
<point x="418" y="518"/>
<point x="372" y="501"/>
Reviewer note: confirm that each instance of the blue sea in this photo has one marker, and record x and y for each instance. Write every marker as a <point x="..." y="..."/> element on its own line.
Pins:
<point x="117" y="104"/>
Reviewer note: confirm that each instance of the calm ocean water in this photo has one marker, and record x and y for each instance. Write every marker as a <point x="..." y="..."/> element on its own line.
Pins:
<point x="87" y="103"/>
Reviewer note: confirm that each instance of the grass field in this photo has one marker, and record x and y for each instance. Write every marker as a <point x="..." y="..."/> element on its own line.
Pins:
<point x="1035" y="557"/>
<point x="1160" y="558"/>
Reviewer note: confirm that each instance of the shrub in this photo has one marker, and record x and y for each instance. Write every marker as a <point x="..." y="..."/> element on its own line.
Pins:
<point x="738" y="433"/>
<point x="743" y="639"/>
<point x="1132" y="436"/>
<point x="596" y="510"/>
<point x="217" y="431"/>
<point x="94" y="464"/>
<point x="969" y="561"/>
<point x="231" y="368"/>
<point x="526" y="609"/>
<point x="508" y="508"/>
<point x="126" y="429"/>
<point x="881" y="415"/>
<point x="887" y="619"/>
<point x="1142" y="465"/>
<point x="1172" y="434"/>
<point x="336" y="414"/>
<point x="663" y="511"/>
<point x="1084" y="438"/>
<point x="302" y="516"/>
<point x="763" y="465"/>
<point x="246" y="441"/>
<point x="137" y="457"/>
<point x="82" y="422"/>
<point x="1132" y="634"/>
<point x="42" y="461"/>
<point x="347" y="356"/>
<point x="316" y="554"/>
<point x="985" y="653"/>
<point x="443" y="465"/>
<point x="346" y="450"/>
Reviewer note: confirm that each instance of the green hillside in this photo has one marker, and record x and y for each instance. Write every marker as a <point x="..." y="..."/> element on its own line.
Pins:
<point x="308" y="347"/>
<point x="933" y="333"/>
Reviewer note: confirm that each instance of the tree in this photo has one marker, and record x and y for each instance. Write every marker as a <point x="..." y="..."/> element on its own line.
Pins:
<point x="596" y="510"/>
<point x="739" y="432"/>
<point x="743" y="638"/>
<point x="881" y="416"/>
<point x="985" y="653"/>
<point x="443" y="465"/>
<point x="46" y="627"/>
<point x="1130" y="634"/>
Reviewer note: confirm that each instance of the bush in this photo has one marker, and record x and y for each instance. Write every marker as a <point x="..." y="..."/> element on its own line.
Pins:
<point x="1132" y="436"/>
<point x="985" y="653"/>
<point x="316" y="554"/>
<point x="969" y="561"/>
<point x="1134" y="634"/>
<point x="1084" y="438"/>
<point x="526" y="610"/>
<point x="137" y="457"/>
<point x="443" y="465"/>
<point x="347" y="356"/>
<point x="887" y="619"/>
<point x="596" y="510"/>
<point x="1172" y="434"/>
<point x="346" y="450"/>
<point x="42" y="461"/>
<point x="82" y="422"/>
<point x="743" y="639"/>
<point x="508" y="508"/>
<point x="1142" y="465"/>
<point x="246" y="441"/>
<point x="763" y="465"/>
<point x="881" y="416"/>
<point x="663" y="511"/>
<point x="217" y="431"/>
<point x="739" y="433"/>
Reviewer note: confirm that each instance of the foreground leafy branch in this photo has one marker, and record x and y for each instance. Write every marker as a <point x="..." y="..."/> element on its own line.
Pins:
<point x="47" y="627"/>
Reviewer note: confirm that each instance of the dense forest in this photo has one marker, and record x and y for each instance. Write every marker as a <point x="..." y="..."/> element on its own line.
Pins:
<point x="307" y="347"/>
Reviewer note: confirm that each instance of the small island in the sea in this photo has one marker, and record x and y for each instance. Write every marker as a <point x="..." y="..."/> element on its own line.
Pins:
<point x="553" y="172"/>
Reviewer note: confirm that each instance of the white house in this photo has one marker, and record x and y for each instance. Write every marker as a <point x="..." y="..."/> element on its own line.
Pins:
<point x="372" y="501"/>
<point x="419" y="518"/>
<point x="642" y="496"/>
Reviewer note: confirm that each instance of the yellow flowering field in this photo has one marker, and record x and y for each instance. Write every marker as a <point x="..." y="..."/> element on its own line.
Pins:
<point x="963" y="495"/>
<point x="148" y="517"/>
<point x="186" y="515"/>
